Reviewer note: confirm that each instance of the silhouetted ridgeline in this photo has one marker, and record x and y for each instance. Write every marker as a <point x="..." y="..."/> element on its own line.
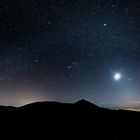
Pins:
<point x="51" y="120"/>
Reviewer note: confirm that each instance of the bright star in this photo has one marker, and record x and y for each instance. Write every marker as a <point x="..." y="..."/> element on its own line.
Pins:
<point x="117" y="76"/>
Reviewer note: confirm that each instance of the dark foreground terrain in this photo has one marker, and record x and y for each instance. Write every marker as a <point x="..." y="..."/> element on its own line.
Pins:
<point x="82" y="120"/>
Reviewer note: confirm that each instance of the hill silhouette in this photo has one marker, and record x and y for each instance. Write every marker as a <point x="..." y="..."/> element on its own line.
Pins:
<point x="53" y="120"/>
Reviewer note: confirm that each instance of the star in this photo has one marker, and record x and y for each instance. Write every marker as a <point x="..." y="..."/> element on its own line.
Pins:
<point x="69" y="67"/>
<point x="129" y="79"/>
<point x="36" y="60"/>
<point x="105" y="24"/>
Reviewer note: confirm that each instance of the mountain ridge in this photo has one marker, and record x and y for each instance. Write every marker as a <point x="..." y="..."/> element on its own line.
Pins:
<point x="81" y="119"/>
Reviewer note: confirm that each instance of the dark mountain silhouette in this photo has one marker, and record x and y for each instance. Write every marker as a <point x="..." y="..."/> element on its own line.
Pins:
<point x="87" y="104"/>
<point x="81" y="120"/>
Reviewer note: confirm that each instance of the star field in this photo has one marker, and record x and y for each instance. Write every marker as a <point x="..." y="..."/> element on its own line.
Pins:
<point x="67" y="50"/>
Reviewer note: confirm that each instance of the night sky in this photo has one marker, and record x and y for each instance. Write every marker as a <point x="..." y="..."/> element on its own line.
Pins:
<point x="65" y="50"/>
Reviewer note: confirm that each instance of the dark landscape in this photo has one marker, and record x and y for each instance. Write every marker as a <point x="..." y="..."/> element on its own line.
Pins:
<point x="50" y="120"/>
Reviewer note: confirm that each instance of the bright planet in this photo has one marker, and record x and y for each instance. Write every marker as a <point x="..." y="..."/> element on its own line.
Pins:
<point x="117" y="76"/>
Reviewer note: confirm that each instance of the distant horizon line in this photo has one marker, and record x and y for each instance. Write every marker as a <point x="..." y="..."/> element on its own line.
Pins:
<point x="131" y="106"/>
